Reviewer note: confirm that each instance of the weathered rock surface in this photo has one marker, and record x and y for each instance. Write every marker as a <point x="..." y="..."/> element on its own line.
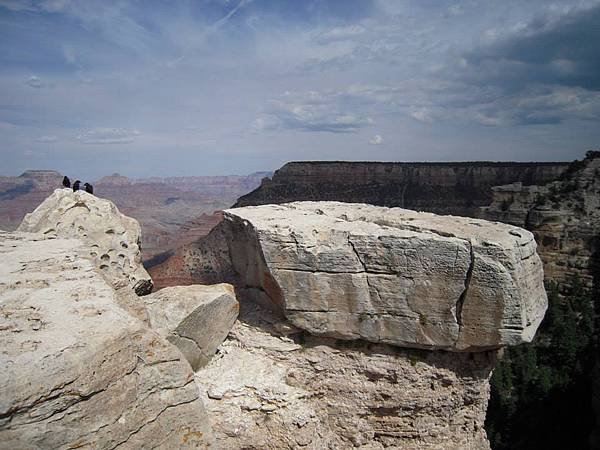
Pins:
<point x="356" y="271"/>
<point x="77" y="371"/>
<point x="266" y="390"/>
<point x="113" y="238"/>
<point x="195" y="318"/>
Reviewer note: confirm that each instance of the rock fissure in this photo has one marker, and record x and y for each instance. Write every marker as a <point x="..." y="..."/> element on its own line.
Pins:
<point x="463" y="295"/>
<point x="145" y="424"/>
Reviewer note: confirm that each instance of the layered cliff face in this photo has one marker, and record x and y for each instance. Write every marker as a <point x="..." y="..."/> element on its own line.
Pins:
<point x="443" y="188"/>
<point x="564" y="216"/>
<point x="271" y="387"/>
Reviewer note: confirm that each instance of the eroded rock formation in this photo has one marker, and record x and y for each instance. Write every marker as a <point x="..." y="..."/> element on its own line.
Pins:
<point x="113" y="238"/>
<point x="355" y="271"/>
<point x="77" y="371"/>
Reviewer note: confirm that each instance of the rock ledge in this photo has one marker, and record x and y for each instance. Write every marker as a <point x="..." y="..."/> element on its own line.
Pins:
<point x="356" y="271"/>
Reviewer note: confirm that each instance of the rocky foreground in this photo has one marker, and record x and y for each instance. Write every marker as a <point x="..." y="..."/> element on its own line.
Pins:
<point x="331" y="296"/>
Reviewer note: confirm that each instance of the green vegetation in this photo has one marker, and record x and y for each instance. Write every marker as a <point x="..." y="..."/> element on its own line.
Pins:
<point x="541" y="392"/>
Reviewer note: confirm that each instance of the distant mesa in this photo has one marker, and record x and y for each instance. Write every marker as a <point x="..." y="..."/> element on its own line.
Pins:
<point x="114" y="180"/>
<point x="458" y="188"/>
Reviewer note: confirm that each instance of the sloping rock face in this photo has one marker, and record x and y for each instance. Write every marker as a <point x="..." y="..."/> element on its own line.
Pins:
<point x="77" y="371"/>
<point x="206" y="261"/>
<point x="355" y="271"/>
<point x="195" y="318"/>
<point x="113" y="238"/>
<point x="269" y="390"/>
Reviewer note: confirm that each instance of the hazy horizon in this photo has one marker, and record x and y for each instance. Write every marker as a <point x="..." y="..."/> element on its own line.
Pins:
<point x="222" y="87"/>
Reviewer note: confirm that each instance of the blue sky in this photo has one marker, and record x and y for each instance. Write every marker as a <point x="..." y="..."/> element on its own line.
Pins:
<point x="211" y="87"/>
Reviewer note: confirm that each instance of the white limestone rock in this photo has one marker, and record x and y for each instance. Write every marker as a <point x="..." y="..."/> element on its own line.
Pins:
<point x="356" y="271"/>
<point x="195" y="318"/>
<point x="77" y="371"/>
<point x="267" y="391"/>
<point x="113" y="238"/>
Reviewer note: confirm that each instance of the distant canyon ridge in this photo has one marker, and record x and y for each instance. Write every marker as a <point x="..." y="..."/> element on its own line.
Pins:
<point x="457" y="188"/>
<point x="172" y="211"/>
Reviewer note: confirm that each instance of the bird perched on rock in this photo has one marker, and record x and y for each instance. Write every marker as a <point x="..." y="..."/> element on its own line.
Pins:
<point x="89" y="188"/>
<point x="76" y="185"/>
<point x="66" y="182"/>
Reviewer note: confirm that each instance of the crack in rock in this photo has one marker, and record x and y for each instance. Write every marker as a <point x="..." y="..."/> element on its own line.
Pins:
<point x="463" y="295"/>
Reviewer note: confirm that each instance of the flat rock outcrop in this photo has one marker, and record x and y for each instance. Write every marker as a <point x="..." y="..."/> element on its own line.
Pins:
<point x="113" y="238"/>
<point x="355" y="271"/>
<point x="195" y="318"/>
<point x="76" y="370"/>
<point x="269" y="390"/>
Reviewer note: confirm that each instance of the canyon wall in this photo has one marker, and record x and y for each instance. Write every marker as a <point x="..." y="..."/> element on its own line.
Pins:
<point x="458" y="188"/>
<point x="564" y="216"/>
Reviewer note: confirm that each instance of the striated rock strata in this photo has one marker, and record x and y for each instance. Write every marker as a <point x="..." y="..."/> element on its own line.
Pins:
<point x="563" y="215"/>
<point x="458" y="188"/>
<point x="355" y="271"/>
<point x="113" y="238"/>
<point x="269" y="390"/>
<point x="77" y="371"/>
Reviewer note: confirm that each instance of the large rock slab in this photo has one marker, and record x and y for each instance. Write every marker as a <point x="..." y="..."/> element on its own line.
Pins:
<point x="113" y="238"/>
<point x="77" y="371"/>
<point x="356" y="271"/>
<point x="195" y="318"/>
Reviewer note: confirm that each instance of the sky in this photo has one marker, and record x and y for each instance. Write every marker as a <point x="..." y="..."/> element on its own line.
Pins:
<point x="214" y="87"/>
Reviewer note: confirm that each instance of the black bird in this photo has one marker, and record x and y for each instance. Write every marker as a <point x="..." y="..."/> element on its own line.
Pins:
<point x="66" y="182"/>
<point x="89" y="188"/>
<point x="76" y="185"/>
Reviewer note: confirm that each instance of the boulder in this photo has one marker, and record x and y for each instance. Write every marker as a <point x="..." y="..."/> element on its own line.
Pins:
<point x="113" y="238"/>
<point x="195" y="318"/>
<point x="412" y="279"/>
<point x="77" y="371"/>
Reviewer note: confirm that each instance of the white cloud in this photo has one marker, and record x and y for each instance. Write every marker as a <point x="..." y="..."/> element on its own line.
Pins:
<point x="47" y="139"/>
<point x="34" y="81"/>
<point x="340" y="34"/>
<point x="104" y="136"/>
<point x="377" y="140"/>
<point x="326" y="111"/>
<point x="422" y="115"/>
